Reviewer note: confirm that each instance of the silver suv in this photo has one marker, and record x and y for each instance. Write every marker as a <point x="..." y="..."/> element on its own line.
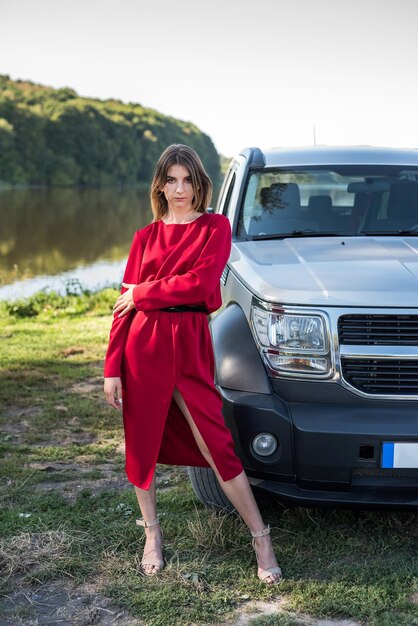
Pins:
<point x="316" y="345"/>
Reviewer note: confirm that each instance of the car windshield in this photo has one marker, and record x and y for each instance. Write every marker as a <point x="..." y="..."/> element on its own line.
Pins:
<point x="344" y="200"/>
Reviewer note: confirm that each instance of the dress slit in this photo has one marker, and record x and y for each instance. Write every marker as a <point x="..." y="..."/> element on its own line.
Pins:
<point x="195" y="425"/>
<point x="215" y="435"/>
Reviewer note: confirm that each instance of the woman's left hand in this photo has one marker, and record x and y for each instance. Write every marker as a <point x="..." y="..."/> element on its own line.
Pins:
<point x="125" y="302"/>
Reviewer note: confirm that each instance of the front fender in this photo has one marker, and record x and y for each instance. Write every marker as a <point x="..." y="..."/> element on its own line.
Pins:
<point x="237" y="360"/>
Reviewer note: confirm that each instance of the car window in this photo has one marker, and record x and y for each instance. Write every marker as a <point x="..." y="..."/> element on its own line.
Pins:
<point x="348" y="200"/>
<point x="228" y="193"/>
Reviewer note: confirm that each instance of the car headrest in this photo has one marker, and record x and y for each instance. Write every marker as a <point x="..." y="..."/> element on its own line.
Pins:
<point x="320" y="203"/>
<point x="403" y="200"/>
<point x="284" y="196"/>
<point x="264" y="195"/>
<point x="361" y="200"/>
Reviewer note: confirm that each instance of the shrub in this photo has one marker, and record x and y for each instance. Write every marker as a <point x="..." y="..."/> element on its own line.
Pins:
<point x="76" y="301"/>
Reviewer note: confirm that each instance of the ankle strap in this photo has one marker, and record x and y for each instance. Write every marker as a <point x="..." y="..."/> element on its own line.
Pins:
<point x="261" y="533"/>
<point x="142" y="522"/>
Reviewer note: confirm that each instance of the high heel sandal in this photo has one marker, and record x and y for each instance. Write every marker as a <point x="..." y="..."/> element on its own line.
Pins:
<point x="154" y="562"/>
<point x="265" y="573"/>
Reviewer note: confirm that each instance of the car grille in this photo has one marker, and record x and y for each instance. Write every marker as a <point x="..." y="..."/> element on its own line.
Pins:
<point x="378" y="330"/>
<point x="382" y="376"/>
<point x="224" y="275"/>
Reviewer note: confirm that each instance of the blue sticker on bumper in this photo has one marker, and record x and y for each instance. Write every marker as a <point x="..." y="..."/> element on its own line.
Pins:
<point x="388" y="454"/>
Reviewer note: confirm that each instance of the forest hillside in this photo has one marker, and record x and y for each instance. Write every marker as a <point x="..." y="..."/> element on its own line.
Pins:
<point x="54" y="137"/>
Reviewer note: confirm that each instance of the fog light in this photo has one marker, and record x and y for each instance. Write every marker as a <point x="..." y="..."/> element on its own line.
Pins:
<point x="264" y="444"/>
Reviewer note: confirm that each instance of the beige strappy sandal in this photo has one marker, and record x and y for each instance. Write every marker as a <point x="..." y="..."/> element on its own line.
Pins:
<point x="265" y="573"/>
<point x="154" y="562"/>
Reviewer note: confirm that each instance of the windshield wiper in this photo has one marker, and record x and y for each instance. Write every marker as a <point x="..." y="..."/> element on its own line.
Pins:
<point x="401" y="231"/>
<point x="307" y="232"/>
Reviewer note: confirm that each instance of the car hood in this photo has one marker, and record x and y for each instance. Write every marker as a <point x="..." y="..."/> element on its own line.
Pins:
<point x="336" y="271"/>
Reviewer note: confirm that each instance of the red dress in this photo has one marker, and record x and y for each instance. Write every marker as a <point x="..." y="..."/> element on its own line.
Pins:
<point x="153" y="351"/>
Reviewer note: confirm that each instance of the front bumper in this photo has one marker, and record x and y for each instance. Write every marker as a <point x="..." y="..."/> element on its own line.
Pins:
<point x="328" y="454"/>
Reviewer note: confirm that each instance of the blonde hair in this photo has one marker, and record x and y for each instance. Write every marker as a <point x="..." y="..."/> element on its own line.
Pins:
<point x="179" y="154"/>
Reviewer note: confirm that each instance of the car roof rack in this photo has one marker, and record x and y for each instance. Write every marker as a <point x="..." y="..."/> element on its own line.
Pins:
<point x="254" y="157"/>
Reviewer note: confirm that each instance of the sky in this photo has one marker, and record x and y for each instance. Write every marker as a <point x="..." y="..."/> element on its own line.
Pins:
<point x="264" y="73"/>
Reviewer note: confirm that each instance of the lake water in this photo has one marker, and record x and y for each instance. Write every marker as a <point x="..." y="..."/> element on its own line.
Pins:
<point x="50" y="238"/>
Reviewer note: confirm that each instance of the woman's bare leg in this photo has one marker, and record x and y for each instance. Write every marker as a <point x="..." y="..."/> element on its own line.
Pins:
<point x="148" y="504"/>
<point x="239" y="492"/>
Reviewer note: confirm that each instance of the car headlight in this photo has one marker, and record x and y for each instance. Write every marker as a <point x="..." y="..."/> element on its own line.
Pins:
<point x="292" y="342"/>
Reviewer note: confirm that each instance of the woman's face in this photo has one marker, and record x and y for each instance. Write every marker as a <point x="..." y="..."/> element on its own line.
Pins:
<point x="178" y="189"/>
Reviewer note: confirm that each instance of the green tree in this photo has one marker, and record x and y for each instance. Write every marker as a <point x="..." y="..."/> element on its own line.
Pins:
<point x="54" y="137"/>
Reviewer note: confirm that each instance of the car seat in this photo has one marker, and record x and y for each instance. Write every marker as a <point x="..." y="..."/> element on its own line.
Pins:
<point x="402" y="207"/>
<point x="320" y="210"/>
<point x="281" y="211"/>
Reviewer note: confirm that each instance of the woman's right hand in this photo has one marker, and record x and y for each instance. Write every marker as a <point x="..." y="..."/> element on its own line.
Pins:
<point x="125" y="302"/>
<point x="113" y="392"/>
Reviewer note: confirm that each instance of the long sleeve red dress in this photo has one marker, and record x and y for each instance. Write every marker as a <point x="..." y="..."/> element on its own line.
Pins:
<point x="153" y="351"/>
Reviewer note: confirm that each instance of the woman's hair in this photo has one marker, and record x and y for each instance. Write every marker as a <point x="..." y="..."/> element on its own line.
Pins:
<point x="179" y="154"/>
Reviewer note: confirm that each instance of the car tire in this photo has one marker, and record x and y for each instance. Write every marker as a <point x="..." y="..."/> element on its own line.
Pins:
<point x="207" y="489"/>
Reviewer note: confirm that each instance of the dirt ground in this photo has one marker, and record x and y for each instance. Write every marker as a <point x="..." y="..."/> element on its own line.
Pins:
<point x="62" y="603"/>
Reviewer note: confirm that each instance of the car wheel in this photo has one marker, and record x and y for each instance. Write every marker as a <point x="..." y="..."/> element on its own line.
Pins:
<point x="207" y="489"/>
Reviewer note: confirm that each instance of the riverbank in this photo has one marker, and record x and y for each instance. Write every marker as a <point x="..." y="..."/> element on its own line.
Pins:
<point x="69" y="547"/>
<point x="51" y="236"/>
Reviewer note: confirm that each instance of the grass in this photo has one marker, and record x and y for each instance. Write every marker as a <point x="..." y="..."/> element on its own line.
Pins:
<point x="67" y="515"/>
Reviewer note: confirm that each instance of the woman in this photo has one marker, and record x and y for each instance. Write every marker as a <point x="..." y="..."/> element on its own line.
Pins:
<point x="160" y="357"/>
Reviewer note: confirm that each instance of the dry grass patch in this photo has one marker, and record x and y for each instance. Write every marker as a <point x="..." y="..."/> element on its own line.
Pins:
<point x="210" y="529"/>
<point x="33" y="554"/>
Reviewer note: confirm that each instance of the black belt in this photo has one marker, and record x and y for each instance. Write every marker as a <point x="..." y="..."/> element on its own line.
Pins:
<point x="186" y="307"/>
